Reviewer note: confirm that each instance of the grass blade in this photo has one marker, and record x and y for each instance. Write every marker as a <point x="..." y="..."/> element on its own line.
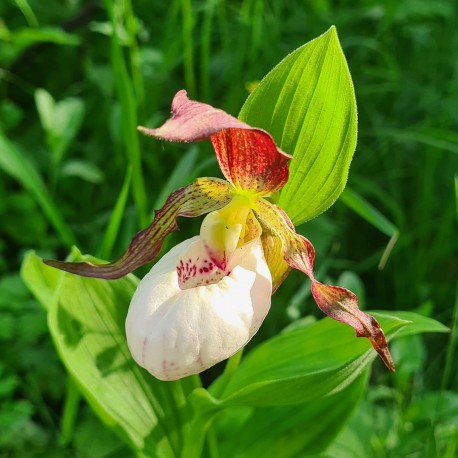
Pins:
<point x="368" y="212"/>
<point x="15" y="164"/>
<point x="128" y="119"/>
<point x="116" y="218"/>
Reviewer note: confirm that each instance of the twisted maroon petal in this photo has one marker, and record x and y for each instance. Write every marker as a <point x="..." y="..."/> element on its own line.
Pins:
<point x="202" y="196"/>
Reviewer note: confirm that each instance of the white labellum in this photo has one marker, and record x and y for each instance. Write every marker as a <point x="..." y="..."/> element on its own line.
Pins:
<point x="187" y="314"/>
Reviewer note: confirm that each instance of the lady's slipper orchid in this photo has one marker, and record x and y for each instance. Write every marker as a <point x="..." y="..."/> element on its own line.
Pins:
<point x="208" y="296"/>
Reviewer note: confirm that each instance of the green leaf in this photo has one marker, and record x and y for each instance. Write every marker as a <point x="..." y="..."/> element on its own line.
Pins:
<point x="288" y="431"/>
<point x="60" y="120"/>
<point x="15" y="163"/>
<point x="17" y="41"/>
<point x="307" y="103"/>
<point x="82" y="169"/>
<point x="86" y="320"/>
<point x="419" y="323"/>
<point x="311" y="361"/>
<point x="39" y="278"/>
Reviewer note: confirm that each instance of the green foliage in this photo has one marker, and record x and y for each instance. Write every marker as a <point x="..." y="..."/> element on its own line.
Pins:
<point x="16" y="164"/>
<point x="301" y="366"/>
<point x="86" y="321"/>
<point x="402" y="60"/>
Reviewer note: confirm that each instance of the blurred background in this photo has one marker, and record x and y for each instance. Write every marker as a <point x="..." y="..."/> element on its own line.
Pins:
<point x="77" y="77"/>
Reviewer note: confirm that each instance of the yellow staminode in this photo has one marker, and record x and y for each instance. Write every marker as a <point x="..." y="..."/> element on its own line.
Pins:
<point x="223" y="231"/>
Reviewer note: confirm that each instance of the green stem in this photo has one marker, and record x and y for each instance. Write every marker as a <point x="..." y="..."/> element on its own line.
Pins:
<point x="70" y="412"/>
<point x="128" y="118"/>
<point x="205" y="50"/>
<point x="451" y="347"/>
<point x="28" y="13"/>
<point x="233" y="362"/>
<point x="195" y="438"/>
<point x="112" y="230"/>
<point x="188" y="47"/>
<point x="135" y="59"/>
<point x="454" y="332"/>
<point x="212" y="443"/>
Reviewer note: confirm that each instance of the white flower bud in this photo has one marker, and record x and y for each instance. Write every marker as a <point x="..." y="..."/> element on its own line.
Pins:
<point x="187" y="315"/>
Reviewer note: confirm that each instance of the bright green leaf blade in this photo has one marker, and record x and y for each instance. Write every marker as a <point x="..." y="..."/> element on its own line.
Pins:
<point x="86" y="320"/>
<point x="310" y="361"/>
<point x="288" y="431"/>
<point x="307" y="103"/>
<point x="15" y="164"/>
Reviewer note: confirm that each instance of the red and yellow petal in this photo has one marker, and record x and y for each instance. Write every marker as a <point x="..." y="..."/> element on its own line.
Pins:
<point x="250" y="160"/>
<point x="202" y="196"/>
<point x="248" y="157"/>
<point x="298" y="252"/>
<point x="279" y="269"/>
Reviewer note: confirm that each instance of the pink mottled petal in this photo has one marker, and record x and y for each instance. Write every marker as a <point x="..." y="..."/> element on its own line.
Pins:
<point x="192" y="121"/>
<point x="202" y="196"/>
<point x="248" y="157"/>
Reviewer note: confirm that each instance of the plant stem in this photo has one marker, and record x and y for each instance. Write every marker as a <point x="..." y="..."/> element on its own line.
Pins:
<point x="70" y="412"/>
<point x="128" y="118"/>
<point x="196" y="436"/>
<point x="188" y="47"/>
<point x="454" y="332"/>
<point x="205" y="50"/>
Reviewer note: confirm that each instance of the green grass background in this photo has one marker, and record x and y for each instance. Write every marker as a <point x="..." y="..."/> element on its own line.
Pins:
<point x="73" y="170"/>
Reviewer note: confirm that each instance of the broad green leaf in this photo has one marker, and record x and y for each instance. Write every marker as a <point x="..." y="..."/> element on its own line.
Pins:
<point x="15" y="163"/>
<point x="311" y="361"/>
<point x="288" y="431"/>
<point x="40" y="280"/>
<point x="307" y="103"/>
<point x="86" y="320"/>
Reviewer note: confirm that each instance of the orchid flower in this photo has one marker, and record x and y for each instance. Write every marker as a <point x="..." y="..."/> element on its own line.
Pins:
<point x="207" y="297"/>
